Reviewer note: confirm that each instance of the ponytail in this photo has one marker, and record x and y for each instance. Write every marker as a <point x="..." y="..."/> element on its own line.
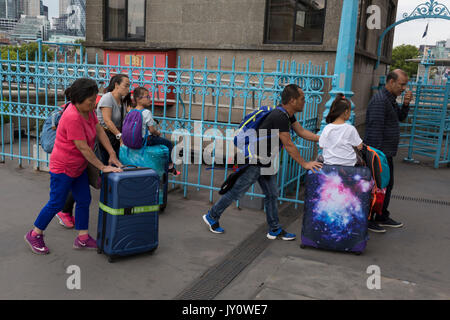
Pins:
<point x="128" y="101"/>
<point x="338" y="107"/>
<point x="115" y="79"/>
<point x="67" y="94"/>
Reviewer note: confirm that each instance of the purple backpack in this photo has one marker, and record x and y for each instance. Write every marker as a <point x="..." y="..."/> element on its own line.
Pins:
<point x="132" y="130"/>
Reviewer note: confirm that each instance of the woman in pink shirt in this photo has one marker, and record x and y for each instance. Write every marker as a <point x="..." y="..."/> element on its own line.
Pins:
<point x="75" y="138"/>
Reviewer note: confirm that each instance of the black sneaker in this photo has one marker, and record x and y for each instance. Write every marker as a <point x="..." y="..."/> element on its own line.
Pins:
<point x="174" y="171"/>
<point x="375" y="227"/>
<point x="390" y="223"/>
<point x="280" y="234"/>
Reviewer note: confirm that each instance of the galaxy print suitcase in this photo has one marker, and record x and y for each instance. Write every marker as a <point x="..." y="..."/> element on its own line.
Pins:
<point x="337" y="203"/>
<point x="128" y="213"/>
<point x="155" y="157"/>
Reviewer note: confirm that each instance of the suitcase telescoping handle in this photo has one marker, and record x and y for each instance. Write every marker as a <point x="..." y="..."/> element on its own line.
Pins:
<point x="133" y="168"/>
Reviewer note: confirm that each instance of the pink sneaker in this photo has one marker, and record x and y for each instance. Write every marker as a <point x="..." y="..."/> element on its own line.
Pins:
<point x="90" y="243"/>
<point x="36" y="244"/>
<point x="65" y="219"/>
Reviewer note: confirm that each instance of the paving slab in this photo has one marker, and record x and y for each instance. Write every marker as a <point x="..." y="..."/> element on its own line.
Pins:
<point x="186" y="248"/>
<point x="417" y="253"/>
<point x="413" y="260"/>
<point x="301" y="278"/>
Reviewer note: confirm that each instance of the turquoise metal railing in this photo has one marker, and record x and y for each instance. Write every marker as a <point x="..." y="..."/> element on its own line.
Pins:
<point x="428" y="124"/>
<point x="189" y="100"/>
<point x="426" y="130"/>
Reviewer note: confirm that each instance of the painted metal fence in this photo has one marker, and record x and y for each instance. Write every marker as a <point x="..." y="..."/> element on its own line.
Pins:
<point x="426" y="132"/>
<point x="200" y="102"/>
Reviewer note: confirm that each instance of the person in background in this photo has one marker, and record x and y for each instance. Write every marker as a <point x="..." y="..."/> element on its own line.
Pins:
<point x="74" y="143"/>
<point x="142" y="101"/>
<point x="383" y="132"/>
<point x="111" y="111"/>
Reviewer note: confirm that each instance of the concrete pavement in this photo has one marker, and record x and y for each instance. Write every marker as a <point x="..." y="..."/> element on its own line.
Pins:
<point x="413" y="260"/>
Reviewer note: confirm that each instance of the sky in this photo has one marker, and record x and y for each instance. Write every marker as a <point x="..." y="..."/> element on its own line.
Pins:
<point x="53" y="8"/>
<point x="411" y="32"/>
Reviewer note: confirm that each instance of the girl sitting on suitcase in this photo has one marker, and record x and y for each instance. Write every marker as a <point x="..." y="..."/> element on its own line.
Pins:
<point x="339" y="138"/>
<point x="142" y="102"/>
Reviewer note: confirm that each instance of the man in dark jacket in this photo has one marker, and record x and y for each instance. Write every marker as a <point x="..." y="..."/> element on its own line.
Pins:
<point x="383" y="132"/>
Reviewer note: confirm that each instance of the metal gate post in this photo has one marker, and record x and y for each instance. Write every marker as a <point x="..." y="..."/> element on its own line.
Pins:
<point x="414" y="120"/>
<point x="442" y="126"/>
<point x="345" y="57"/>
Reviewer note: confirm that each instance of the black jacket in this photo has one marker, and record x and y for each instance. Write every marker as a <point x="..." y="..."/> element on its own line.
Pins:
<point x="382" y="122"/>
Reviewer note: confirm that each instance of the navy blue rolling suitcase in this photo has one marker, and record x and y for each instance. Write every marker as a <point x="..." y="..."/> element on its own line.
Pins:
<point x="337" y="202"/>
<point x="128" y="213"/>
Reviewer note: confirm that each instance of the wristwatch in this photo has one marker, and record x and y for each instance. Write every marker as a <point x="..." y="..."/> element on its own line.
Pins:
<point x="118" y="136"/>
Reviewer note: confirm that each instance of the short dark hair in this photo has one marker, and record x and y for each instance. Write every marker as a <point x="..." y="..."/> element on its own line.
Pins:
<point x="338" y="107"/>
<point x="139" y="92"/>
<point x="290" y="92"/>
<point x="393" y="75"/>
<point x="81" y="90"/>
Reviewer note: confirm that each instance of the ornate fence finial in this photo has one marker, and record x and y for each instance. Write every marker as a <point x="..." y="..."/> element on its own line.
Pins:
<point x="430" y="9"/>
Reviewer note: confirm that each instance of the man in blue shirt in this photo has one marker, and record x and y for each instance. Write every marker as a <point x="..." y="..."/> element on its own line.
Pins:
<point x="383" y="132"/>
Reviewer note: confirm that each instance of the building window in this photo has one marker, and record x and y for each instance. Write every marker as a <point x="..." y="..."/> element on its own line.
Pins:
<point x="295" y="21"/>
<point x="125" y="20"/>
<point x="361" y="36"/>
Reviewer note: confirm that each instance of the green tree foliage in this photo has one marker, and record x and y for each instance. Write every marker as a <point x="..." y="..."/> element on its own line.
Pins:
<point x="400" y="54"/>
<point x="32" y="49"/>
<point x="80" y="41"/>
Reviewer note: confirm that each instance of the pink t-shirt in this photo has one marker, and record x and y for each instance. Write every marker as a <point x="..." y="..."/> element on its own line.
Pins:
<point x="65" y="157"/>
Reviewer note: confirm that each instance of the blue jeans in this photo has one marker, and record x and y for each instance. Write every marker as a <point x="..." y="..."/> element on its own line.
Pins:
<point x="154" y="140"/>
<point x="60" y="185"/>
<point x="245" y="181"/>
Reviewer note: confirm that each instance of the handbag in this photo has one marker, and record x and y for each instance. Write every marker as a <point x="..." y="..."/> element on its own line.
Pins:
<point x="231" y="180"/>
<point x="113" y="140"/>
<point x="94" y="176"/>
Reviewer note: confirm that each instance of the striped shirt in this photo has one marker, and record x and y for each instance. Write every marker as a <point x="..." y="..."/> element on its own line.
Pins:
<point x="382" y="122"/>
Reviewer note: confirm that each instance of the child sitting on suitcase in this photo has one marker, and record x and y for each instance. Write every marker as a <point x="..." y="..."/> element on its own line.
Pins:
<point x="339" y="138"/>
<point x="142" y="101"/>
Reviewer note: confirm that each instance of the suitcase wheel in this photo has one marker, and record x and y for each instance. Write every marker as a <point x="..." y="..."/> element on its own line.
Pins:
<point x="358" y="253"/>
<point x="302" y="246"/>
<point x="99" y="251"/>
<point x="111" y="259"/>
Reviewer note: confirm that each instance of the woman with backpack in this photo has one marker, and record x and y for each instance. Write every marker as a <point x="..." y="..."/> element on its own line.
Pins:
<point x="73" y="149"/>
<point x="111" y="111"/>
